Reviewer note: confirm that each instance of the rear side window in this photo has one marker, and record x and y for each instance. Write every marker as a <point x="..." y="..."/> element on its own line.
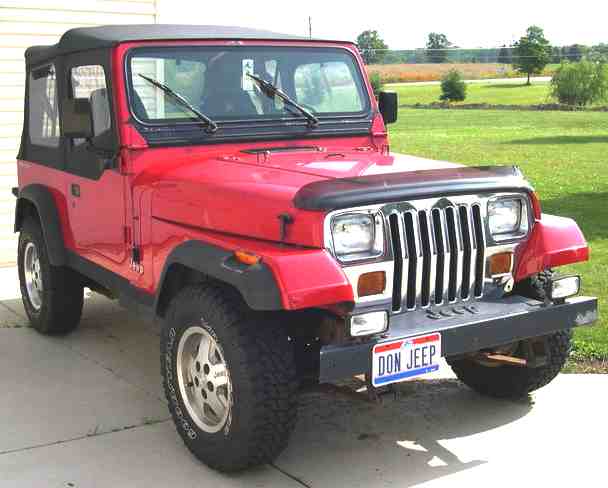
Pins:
<point x="90" y="82"/>
<point x="43" y="109"/>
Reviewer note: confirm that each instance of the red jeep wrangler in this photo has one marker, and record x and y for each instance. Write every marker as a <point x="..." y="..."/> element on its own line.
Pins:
<point x="237" y="184"/>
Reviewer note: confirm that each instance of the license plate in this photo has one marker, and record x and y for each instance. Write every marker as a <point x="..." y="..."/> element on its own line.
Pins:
<point x="406" y="358"/>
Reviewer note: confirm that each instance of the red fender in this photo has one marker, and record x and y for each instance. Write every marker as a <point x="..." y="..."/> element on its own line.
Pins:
<point x="310" y="279"/>
<point x="306" y="278"/>
<point x="555" y="241"/>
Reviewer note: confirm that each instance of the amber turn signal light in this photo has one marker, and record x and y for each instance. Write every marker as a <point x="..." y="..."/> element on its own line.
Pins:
<point x="246" y="257"/>
<point x="372" y="283"/>
<point x="501" y="263"/>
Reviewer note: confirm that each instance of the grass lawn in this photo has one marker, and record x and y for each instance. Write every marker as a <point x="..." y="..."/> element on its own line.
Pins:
<point x="564" y="154"/>
<point x="492" y="93"/>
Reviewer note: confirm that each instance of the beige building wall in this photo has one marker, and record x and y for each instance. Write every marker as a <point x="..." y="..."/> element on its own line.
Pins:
<point x="25" y="23"/>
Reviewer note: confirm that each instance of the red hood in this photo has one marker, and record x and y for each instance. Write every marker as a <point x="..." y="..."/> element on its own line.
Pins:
<point x="244" y="194"/>
<point x="337" y="164"/>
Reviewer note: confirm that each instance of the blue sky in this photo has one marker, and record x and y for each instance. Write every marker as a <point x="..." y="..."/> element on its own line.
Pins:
<point x="405" y="24"/>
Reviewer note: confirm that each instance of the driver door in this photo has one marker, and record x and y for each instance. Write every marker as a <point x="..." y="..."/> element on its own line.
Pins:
<point x="96" y="191"/>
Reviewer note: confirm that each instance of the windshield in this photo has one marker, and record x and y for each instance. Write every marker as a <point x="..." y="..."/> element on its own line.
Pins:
<point x="216" y="81"/>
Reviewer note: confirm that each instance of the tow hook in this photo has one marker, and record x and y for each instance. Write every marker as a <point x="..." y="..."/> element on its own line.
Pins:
<point x="534" y="352"/>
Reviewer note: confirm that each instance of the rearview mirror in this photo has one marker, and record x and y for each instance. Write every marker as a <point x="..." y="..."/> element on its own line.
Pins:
<point x="388" y="103"/>
<point x="77" y="118"/>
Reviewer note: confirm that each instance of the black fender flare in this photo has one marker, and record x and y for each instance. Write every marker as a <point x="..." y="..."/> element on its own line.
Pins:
<point x="42" y="198"/>
<point x="256" y="283"/>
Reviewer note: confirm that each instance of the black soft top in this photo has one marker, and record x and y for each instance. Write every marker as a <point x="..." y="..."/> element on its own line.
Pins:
<point x="107" y="36"/>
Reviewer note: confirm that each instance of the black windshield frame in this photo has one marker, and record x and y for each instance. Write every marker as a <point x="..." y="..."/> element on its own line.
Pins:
<point x="249" y="126"/>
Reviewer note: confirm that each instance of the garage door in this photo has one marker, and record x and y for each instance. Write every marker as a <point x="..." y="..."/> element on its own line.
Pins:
<point x="25" y="23"/>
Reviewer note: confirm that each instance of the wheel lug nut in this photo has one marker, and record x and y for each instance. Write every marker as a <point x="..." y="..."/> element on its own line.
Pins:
<point x="210" y="386"/>
<point x="206" y="369"/>
<point x="198" y="367"/>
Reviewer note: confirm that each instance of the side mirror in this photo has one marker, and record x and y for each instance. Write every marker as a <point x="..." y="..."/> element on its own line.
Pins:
<point x="77" y="118"/>
<point x="388" y="102"/>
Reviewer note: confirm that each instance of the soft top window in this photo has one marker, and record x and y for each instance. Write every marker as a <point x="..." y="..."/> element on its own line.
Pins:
<point x="214" y="80"/>
<point x="43" y="123"/>
<point x="89" y="82"/>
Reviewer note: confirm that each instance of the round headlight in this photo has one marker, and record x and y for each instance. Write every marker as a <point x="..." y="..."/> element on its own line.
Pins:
<point x="357" y="236"/>
<point x="507" y="217"/>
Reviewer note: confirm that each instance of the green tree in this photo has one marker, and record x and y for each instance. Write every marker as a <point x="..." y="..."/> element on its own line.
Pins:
<point x="395" y="57"/>
<point x="437" y="47"/>
<point x="599" y="52"/>
<point x="576" y="52"/>
<point x="580" y="84"/>
<point x="504" y="55"/>
<point x="372" y="47"/>
<point x="376" y="82"/>
<point x="532" y="52"/>
<point x="420" y="56"/>
<point x="556" y="54"/>
<point x="453" y="87"/>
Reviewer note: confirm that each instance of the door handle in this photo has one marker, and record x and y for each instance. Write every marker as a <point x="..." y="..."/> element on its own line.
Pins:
<point x="75" y="190"/>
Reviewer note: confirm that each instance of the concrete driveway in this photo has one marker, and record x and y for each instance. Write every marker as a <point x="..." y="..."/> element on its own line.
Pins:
<point x="87" y="410"/>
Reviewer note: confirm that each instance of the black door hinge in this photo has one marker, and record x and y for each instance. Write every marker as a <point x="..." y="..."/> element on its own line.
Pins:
<point x="136" y="260"/>
<point x="285" y="220"/>
<point x="136" y="255"/>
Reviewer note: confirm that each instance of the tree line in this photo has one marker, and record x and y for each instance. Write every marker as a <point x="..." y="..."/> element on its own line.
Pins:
<point x="529" y="55"/>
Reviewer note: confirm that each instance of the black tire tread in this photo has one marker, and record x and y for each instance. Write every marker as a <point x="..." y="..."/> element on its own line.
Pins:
<point x="535" y="286"/>
<point x="63" y="295"/>
<point x="269" y="387"/>
<point x="514" y="382"/>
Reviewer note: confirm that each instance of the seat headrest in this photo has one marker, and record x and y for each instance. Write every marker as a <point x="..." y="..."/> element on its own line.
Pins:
<point x="100" y="105"/>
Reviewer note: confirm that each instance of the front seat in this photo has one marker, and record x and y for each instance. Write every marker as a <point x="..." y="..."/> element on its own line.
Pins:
<point x="224" y="95"/>
<point x="100" y="106"/>
<point x="229" y="102"/>
<point x="138" y="106"/>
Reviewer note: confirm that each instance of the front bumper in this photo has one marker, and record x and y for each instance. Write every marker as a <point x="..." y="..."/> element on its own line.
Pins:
<point x="479" y="325"/>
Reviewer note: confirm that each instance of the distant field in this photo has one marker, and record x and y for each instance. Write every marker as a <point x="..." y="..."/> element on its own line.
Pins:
<point x="492" y="93"/>
<point x="396" y="73"/>
<point x="563" y="153"/>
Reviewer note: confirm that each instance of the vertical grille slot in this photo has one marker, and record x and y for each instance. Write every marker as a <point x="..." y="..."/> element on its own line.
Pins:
<point x="439" y="254"/>
<point x="467" y="242"/>
<point x="411" y="237"/>
<point x="441" y="258"/>
<point x="480" y="254"/>
<point x="427" y="251"/>
<point x="454" y="250"/>
<point x="399" y="260"/>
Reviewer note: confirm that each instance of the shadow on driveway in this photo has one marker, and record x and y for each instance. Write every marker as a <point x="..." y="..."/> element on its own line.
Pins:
<point x="342" y="436"/>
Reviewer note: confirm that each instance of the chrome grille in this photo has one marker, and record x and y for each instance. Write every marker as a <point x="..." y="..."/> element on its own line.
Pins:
<point x="439" y="254"/>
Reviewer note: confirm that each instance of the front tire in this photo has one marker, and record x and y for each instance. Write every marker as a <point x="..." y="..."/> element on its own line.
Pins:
<point x="229" y="377"/>
<point x="510" y="381"/>
<point x="52" y="295"/>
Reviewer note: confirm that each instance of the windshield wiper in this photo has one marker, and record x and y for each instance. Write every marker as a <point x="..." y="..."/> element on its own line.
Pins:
<point x="210" y="125"/>
<point x="272" y="91"/>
